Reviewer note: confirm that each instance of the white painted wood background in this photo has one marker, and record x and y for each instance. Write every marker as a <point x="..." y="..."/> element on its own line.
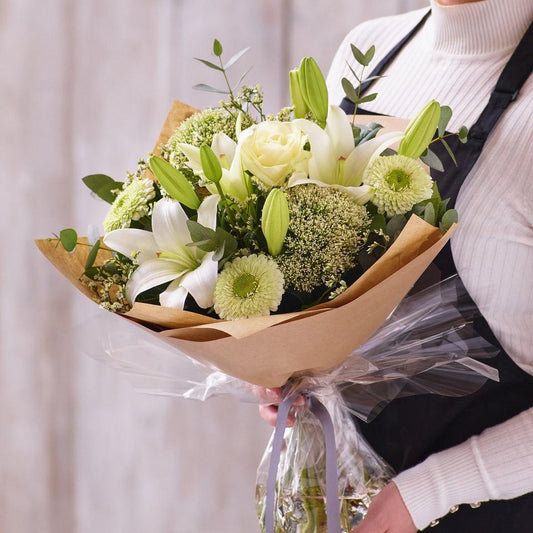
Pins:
<point x="84" y="88"/>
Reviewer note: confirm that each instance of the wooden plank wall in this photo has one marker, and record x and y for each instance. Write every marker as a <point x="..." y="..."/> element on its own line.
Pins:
<point x="84" y="87"/>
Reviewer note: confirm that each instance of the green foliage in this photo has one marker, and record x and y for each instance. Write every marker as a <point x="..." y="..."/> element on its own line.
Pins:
<point x="217" y="48"/>
<point x="449" y="218"/>
<point x="432" y="160"/>
<point x="463" y="134"/>
<point x="103" y="186"/>
<point x="219" y="241"/>
<point x="92" y="255"/>
<point x="68" y="238"/>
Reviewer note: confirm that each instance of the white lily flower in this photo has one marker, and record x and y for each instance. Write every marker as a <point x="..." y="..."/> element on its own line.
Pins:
<point x="335" y="160"/>
<point x="226" y="149"/>
<point x="163" y="255"/>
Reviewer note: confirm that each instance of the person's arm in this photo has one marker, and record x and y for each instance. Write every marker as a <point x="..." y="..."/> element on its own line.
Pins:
<point x="496" y="465"/>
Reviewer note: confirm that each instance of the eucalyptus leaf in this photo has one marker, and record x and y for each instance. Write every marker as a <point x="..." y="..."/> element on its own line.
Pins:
<point x="463" y="134"/>
<point x="208" y="88"/>
<point x="217" y="48"/>
<point x="349" y="90"/>
<point x="429" y="214"/>
<point x="431" y="159"/>
<point x="68" y="238"/>
<point x="369" y="55"/>
<point x="367" y="98"/>
<point x="358" y="55"/>
<point x="372" y="78"/>
<point x="353" y="71"/>
<point x="442" y="208"/>
<point x="209" y="64"/>
<point x="199" y="233"/>
<point x="379" y="223"/>
<point x="449" y="218"/>
<point x="449" y="150"/>
<point x="92" y="255"/>
<point x="236" y="57"/>
<point x="237" y="85"/>
<point x="103" y="186"/>
<point x="395" y="226"/>
<point x="445" y="116"/>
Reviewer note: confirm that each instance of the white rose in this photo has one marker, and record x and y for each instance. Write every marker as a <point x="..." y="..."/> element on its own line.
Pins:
<point x="272" y="151"/>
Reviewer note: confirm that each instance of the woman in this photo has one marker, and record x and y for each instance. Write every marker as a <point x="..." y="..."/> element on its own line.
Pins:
<point x="479" y="448"/>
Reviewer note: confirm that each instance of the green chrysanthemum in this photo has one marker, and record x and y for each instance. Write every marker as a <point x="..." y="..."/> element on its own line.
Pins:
<point x="247" y="287"/>
<point x="200" y="129"/>
<point x="326" y="230"/>
<point x="132" y="203"/>
<point x="398" y="183"/>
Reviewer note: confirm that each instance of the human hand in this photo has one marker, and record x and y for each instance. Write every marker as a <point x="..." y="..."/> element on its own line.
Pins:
<point x="269" y="412"/>
<point x="387" y="514"/>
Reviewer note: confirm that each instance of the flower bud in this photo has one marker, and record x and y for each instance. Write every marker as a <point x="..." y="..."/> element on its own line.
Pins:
<point x="420" y="131"/>
<point x="314" y="89"/>
<point x="210" y="164"/>
<point x="300" y="107"/>
<point x="275" y="220"/>
<point x="174" y="182"/>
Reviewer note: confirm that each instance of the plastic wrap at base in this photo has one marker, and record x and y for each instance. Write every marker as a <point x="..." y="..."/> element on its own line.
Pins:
<point x="427" y="345"/>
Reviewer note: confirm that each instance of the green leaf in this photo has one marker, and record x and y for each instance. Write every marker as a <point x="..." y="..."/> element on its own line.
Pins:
<point x="217" y="48"/>
<point x="103" y="186"/>
<point x="210" y="164"/>
<point x="449" y="218"/>
<point x="370" y="54"/>
<point x="449" y="150"/>
<point x="395" y="226"/>
<point x="174" y="182"/>
<point x="372" y="78"/>
<point x="429" y="214"/>
<point x="431" y="159"/>
<point x="358" y="55"/>
<point x="463" y="134"/>
<point x="92" y="255"/>
<point x="367" y="98"/>
<point x="442" y="208"/>
<point x="209" y="89"/>
<point x="68" y="238"/>
<point x="445" y="116"/>
<point x="379" y="223"/>
<point x="353" y="71"/>
<point x="349" y="90"/>
<point x="199" y="233"/>
<point x="222" y="243"/>
<point x="209" y="64"/>
<point x="235" y="58"/>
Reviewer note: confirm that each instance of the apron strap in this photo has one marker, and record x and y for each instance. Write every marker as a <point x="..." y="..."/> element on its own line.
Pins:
<point x="347" y="105"/>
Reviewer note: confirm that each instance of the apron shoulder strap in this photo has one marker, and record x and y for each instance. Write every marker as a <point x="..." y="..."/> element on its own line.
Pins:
<point x="347" y="105"/>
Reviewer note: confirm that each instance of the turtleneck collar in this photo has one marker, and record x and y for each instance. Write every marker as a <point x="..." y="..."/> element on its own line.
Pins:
<point x="483" y="27"/>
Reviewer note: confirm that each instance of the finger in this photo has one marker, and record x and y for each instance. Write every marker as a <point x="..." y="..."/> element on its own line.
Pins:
<point x="268" y="394"/>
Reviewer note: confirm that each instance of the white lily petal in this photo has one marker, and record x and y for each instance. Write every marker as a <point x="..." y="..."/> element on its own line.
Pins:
<point x="232" y="181"/>
<point x="340" y="131"/>
<point x="169" y="225"/>
<point x="362" y="194"/>
<point x="151" y="274"/>
<point x="192" y="153"/>
<point x="129" y="241"/>
<point x="298" y="178"/>
<point x="200" y="283"/>
<point x="364" y="154"/>
<point x="224" y="145"/>
<point x="207" y="212"/>
<point x="174" y="296"/>
<point x="323" y="160"/>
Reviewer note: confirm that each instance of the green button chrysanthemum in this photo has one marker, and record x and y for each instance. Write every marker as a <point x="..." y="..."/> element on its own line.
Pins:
<point x="398" y="183"/>
<point x="132" y="203"/>
<point x="247" y="287"/>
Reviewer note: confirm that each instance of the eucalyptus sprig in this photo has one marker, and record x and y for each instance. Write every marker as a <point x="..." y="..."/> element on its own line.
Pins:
<point x="238" y="102"/>
<point x="352" y="92"/>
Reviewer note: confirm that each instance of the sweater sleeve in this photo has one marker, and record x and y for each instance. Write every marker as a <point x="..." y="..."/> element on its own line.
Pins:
<point x="496" y="465"/>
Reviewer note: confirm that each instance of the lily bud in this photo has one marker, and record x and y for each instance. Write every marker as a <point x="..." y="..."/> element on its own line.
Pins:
<point x="210" y="164"/>
<point x="174" y="182"/>
<point x="300" y="107"/>
<point x="275" y="220"/>
<point x="314" y="89"/>
<point x="420" y="131"/>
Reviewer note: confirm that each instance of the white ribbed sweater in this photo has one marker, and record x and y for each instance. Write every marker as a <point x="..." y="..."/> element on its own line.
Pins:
<point x="456" y="59"/>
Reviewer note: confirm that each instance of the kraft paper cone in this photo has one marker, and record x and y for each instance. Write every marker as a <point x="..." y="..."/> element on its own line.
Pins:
<point x="269" y="350"/>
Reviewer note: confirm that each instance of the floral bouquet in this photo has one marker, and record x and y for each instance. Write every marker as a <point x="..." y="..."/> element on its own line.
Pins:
<point x="269" y="248"/>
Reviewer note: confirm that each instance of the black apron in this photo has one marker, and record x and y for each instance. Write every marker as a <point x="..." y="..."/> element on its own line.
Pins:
<point x="410" y="429"/>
